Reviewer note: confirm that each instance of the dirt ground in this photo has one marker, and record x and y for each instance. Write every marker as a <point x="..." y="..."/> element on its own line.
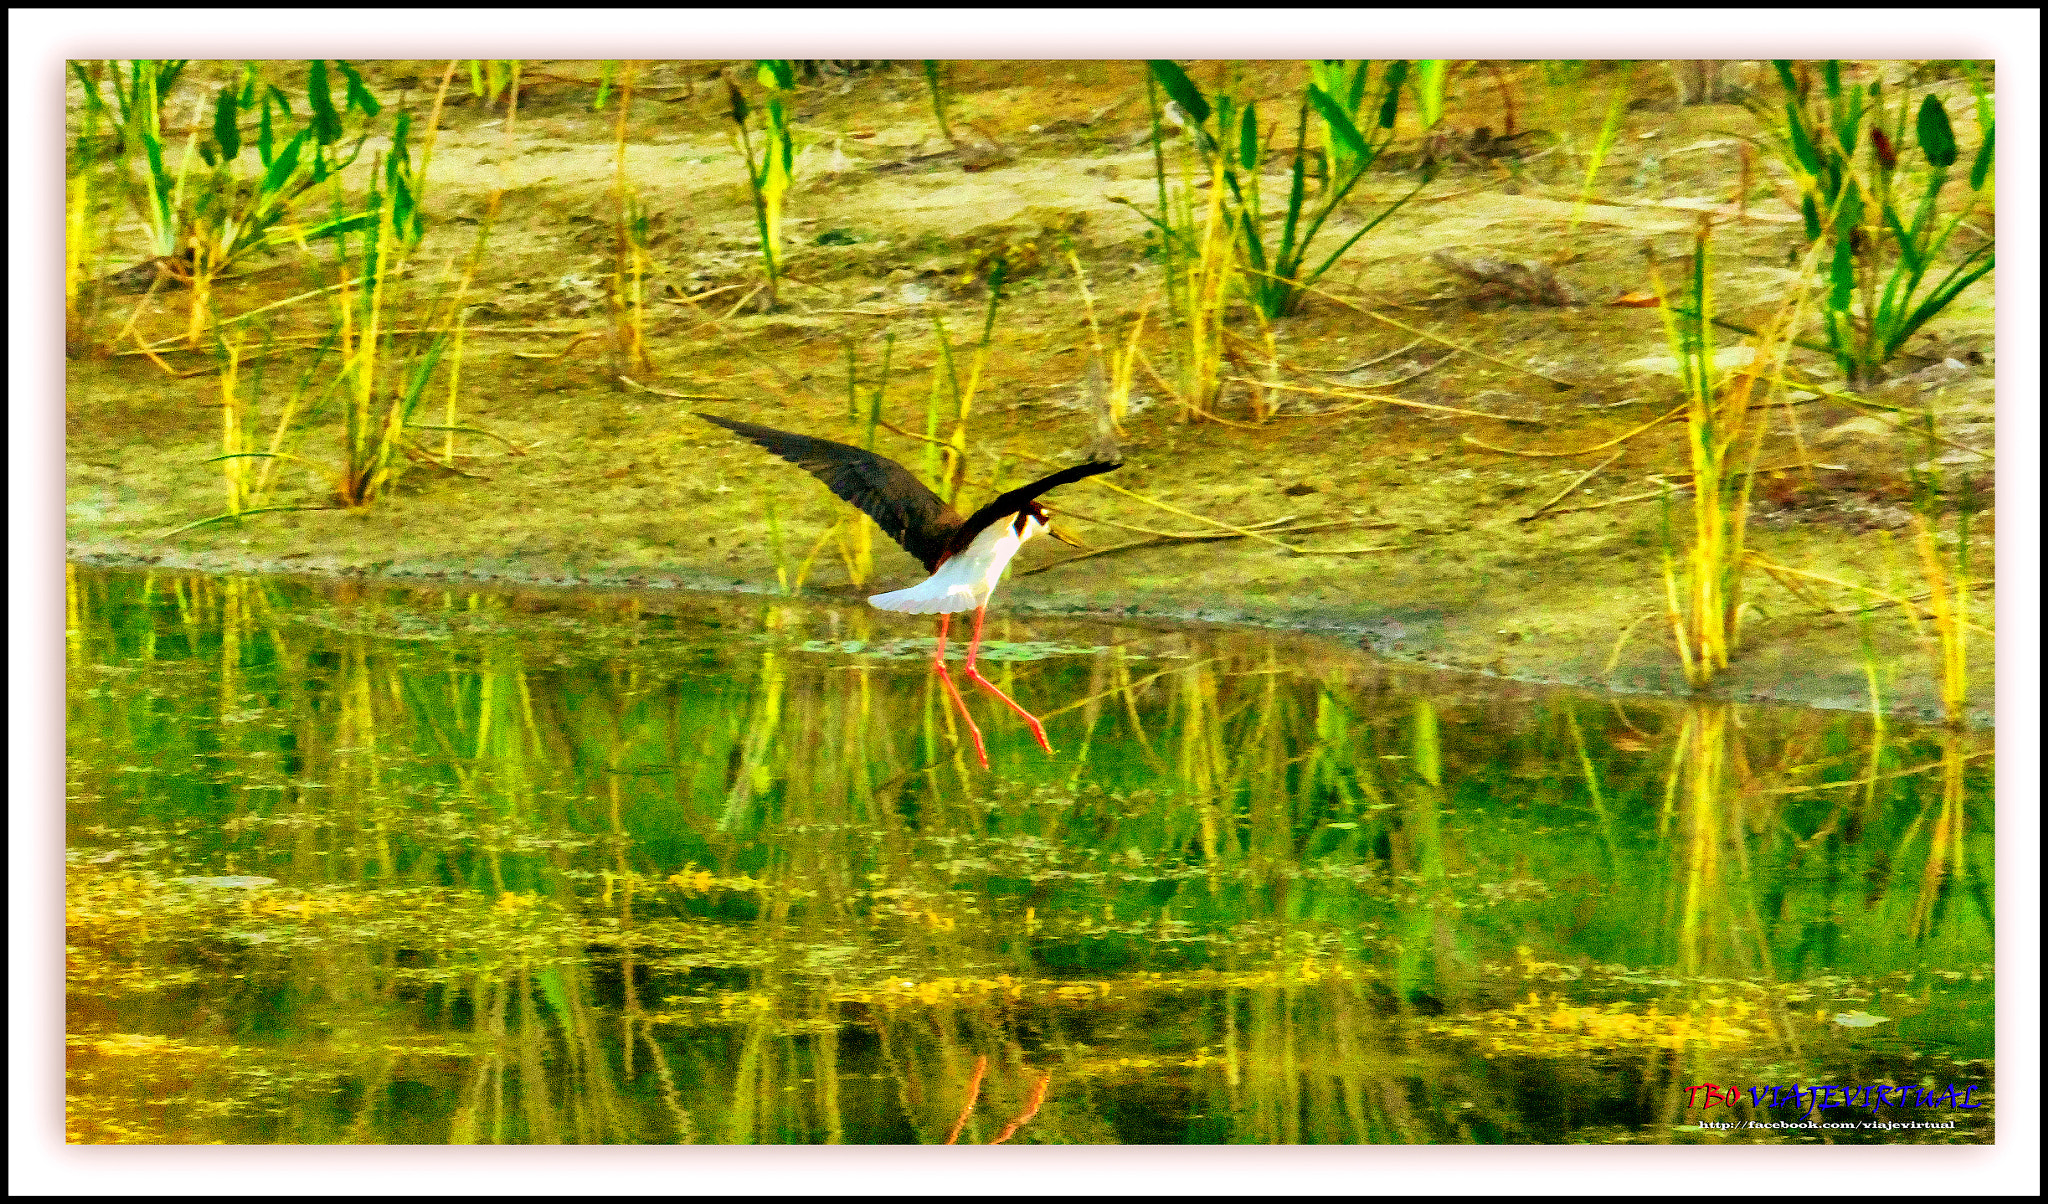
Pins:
<point x="1438" y="561"/>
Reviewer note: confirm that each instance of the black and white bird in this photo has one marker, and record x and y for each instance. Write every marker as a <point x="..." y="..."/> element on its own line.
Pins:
<point x="965" y="556"/>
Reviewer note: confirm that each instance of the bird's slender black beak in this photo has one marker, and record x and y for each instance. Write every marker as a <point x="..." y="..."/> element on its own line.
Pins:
<point x="1065" y="538"/>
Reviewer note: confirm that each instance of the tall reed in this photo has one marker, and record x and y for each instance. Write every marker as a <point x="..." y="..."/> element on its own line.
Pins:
<point x="1116" y="366"/>
<point x="1722" y="438"/>
<point x="626" y="299"/>
<point x="381" y="379"/>
<point x="83" y="238"/>
<point x="934" y="82"/>
<point x="1355" y="112"/>
<point x="768" y="181"/>
<point x="1947" y="579"/>
<point x="381" y="395"/>
<point x="1603" y="142"/>
<point x="1195" y="251"/>
<point x="138" y="88"/>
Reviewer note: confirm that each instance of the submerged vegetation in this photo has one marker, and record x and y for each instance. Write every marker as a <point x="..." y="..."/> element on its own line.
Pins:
<point x="715" y="879"/>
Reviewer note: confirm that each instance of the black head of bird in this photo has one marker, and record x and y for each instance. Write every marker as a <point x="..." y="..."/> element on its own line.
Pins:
<point x="965" y="556"/>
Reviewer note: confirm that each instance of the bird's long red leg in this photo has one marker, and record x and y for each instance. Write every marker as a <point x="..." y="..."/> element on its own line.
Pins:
<point x="946" y="680"/>
<point x="974" y="675"/>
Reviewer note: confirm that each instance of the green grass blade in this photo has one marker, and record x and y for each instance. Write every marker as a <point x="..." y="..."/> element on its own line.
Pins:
<point x="1430" y="78"/>
<point x="1180" y="88"/>
<point x="1361" y="232"/>
<point x="168" y="73"/>
<point x="227" y="132"/>
<point x="1909" y="250"/>
<point x="1349" y="141"/>
<point x="359" y="97"/>
<point x="422" y="371"/>
<point x="1841" y="277"/>
<point x="326" y="124"/>
<point x="1610" y="129"/>
<point x="1937" y="136"/>
<point x="1802" y="140"/>
<point x="1390" y="101"/>
<point x="1786" y="76"/>
<point x="284" y="165"/>
<point x="1959" y="278"/>
<point x="221" y="518"/>
<point x="1980" y="167"/>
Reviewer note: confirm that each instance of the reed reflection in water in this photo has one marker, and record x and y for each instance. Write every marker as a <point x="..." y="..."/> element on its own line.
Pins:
<point x="361" y="863"/>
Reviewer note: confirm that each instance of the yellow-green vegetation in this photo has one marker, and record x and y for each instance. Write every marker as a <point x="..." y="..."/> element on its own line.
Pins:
<point x="1461" y="467"/>
<point x="1547" y="1026"/>
<point x="648" y="867"/>
<point x="1723" y="436"/>
<point x="769" y="180"/>
<point x="206" y="216"/>
<point x="631" y="257"/>
<point x="352" y="861"/>
<point x="1884" y="237"/>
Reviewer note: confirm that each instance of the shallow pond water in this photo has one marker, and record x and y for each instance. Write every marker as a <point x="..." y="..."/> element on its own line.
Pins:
<point x="358" y="862"/>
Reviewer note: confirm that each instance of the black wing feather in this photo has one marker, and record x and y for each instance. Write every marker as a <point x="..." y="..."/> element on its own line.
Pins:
<point x="1015" y="500"/>
<point x="884" y="490"/>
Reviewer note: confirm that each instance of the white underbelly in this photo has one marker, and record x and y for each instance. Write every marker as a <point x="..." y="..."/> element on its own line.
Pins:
<point x="963" y="582"/>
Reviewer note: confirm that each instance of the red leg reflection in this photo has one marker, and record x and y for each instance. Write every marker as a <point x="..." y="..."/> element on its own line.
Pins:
<point x="946" y="680"/>
<point x="974" y="675"/>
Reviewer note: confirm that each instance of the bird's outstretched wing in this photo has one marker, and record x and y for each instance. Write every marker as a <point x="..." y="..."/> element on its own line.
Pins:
<point x="1015" y="500"/>
<point x="884" y="490"/>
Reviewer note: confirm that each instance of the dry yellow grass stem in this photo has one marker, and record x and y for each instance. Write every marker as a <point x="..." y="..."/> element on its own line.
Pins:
<point x="1568" y="490"/>
<point x="1369" y="398"/>
<point x="1674" y="412"/>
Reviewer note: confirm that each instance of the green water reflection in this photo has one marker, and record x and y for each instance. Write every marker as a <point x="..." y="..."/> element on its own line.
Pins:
<point x="357" y="863"/>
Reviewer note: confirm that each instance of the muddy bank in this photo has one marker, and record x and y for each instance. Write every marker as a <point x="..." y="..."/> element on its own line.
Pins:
<point x="1438" y="539"/>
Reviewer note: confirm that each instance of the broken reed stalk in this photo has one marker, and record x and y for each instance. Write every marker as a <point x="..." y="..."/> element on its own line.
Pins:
<point x="1164" y="539"/>
<point x="1624" y="437"/>
<point x="232" y="467"/>
<point x="1944" y="763"/>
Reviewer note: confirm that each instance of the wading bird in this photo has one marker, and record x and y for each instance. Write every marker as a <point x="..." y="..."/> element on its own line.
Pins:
<point x="965" y="556"/>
